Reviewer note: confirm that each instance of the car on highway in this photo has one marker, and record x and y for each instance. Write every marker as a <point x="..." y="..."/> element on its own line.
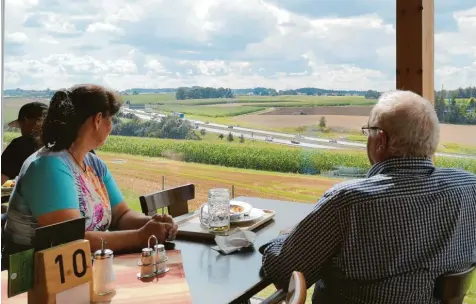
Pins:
<point x="295" y="142"/>
<point x="230" y="127"/>
<point x="333" y="141"/>
<point x="269" y="138"/>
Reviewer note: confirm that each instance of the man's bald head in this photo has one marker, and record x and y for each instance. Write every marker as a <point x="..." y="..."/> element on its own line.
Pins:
<point x="409" y="123"/>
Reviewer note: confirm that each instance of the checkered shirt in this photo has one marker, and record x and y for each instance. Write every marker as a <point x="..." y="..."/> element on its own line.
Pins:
<point x="382" y="239"/>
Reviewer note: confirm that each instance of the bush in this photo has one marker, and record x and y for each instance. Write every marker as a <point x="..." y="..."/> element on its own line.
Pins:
<point x="169" y="127"/>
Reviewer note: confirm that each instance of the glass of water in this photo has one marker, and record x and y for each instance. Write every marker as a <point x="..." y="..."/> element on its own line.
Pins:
<point x="217" y="217"/>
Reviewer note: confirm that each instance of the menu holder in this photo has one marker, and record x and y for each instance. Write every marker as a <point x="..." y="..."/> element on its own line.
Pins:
<point x="189" y="225"/>
<point x="60" y="271"/>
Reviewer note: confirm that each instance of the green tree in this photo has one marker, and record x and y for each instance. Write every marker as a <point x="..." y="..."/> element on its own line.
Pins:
<point x="180" y="94"/>
<point x="203" y="132"/>
<point x="440" y="107"/>
<point x="230" y="137"/>
<point x="322" y="122"/>
<point x="242" y="139"/>
<point x="221" y="136"/>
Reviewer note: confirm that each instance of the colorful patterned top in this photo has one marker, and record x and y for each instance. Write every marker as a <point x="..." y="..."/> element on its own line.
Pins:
<point x="52" y="181"/>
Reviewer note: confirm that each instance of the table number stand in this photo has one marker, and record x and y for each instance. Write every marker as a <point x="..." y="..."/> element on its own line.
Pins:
<point x="60" y="269"/>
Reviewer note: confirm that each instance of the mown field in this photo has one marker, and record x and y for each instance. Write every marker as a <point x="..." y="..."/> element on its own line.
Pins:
<point x="209" y="111"/>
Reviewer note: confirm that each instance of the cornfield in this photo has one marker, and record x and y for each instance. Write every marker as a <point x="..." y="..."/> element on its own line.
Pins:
<point x="299" y="160"/>
<point x="277" y="159"/>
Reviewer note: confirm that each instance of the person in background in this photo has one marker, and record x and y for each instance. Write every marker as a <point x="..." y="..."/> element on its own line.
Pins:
<point x="22" y="147"/>
<point x="64" y="181"/>
<point x="385" y="238"/>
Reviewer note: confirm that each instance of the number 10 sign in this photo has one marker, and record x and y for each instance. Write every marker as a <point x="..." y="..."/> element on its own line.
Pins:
<point x="61" y="269"/>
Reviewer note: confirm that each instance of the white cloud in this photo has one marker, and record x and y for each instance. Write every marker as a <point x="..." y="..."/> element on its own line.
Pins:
<point x="159" y="43"/>
<point x="16" y="38"/>
<point x="104" y="27"/>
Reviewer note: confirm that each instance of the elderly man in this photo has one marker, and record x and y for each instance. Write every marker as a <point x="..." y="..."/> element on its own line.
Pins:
<point x="385" y="238"/>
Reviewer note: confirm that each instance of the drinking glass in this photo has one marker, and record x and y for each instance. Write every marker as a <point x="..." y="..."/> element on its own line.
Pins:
<point x="217" y="217"/>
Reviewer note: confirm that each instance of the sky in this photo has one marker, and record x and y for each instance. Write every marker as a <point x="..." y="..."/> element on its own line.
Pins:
<point x="282" y="44"/>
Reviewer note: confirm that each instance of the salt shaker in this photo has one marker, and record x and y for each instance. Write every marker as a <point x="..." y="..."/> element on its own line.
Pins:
<point x="160" y="253"/>
<point x="103" y="271"/>
<point x="161" y="259"/>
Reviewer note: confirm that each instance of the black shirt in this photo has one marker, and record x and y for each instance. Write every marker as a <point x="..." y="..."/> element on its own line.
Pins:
<point x="16" y="153"/>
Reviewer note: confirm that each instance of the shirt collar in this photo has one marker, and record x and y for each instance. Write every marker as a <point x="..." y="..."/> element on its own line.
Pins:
<point x="404" y="165"/>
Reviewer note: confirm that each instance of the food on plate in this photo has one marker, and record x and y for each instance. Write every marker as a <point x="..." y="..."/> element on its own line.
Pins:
<point x="235" y="209"/>
<point x="9" y="184"/>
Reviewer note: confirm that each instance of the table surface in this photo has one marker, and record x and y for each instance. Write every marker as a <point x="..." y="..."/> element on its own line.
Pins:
<point x="170" y="287"/>
<point x="217" y="278"/>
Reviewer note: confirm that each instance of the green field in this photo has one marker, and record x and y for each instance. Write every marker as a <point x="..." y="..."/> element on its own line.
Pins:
<point x="209" y="111"/>
<point x="282" y="100"/>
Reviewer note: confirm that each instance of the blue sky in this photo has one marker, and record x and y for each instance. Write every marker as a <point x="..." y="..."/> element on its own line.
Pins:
<point x="340" y="44"/>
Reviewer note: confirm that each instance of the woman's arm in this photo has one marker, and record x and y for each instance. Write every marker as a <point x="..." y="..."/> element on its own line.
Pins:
<point x="116" y="240"/>
<point x="124" y="218"/>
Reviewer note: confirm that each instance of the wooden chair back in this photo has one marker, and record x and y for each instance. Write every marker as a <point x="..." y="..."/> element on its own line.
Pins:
<point x="451" y="288"/>
<point x="174" y="199"/>
<point x="296" y="293"/>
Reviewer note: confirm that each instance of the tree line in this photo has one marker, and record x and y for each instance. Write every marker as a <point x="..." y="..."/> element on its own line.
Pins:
<point x="468" y="92"/>
<point x="171" y="127"/>
<point x="456" y="111"/>
<point x="260" y="91"/>
<point x="203" y="93"/>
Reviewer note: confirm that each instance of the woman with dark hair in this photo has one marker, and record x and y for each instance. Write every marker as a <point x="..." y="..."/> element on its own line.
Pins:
<point x="64" y="181"/>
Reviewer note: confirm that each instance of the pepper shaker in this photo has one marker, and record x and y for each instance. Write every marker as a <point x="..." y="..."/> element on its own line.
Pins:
<point x="146" y="264"/>
<point x="103" y="271"/>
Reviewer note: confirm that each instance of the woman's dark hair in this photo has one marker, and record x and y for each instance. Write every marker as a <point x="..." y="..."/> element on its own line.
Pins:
<point x="69" y="109"/>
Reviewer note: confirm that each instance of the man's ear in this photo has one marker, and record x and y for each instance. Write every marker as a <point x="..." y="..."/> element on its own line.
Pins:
<point x="383" y="139"/>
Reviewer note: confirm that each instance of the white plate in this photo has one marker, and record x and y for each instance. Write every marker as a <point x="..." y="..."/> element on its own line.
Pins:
<point x="254" y="215"/>
<point x="246" y="209"/>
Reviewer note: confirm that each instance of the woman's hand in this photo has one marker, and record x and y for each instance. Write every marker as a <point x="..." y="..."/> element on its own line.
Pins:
<point x="164" y="218"/>
<point x="159" y="229"/>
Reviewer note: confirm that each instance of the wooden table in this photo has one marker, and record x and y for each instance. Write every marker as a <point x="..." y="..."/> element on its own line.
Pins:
<point x="216" y="278"/>
<point x="170" y="287"/>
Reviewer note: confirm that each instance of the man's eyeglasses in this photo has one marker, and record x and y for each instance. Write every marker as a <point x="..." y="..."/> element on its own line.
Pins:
<point x="366" y="130"/>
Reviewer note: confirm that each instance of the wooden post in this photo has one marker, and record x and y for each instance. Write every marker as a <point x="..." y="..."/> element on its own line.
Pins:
<point x="415" y="47"/>
<point x="163" y="189"/>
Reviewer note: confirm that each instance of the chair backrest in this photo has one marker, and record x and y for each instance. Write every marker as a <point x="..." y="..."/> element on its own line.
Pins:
<point x="296" y="291"/>
<point x="451" y="288"/>
<point x="175" y="200"/>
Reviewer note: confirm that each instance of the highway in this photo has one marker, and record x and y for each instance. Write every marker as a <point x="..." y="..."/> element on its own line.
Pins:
<point x="277" y="138"/>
